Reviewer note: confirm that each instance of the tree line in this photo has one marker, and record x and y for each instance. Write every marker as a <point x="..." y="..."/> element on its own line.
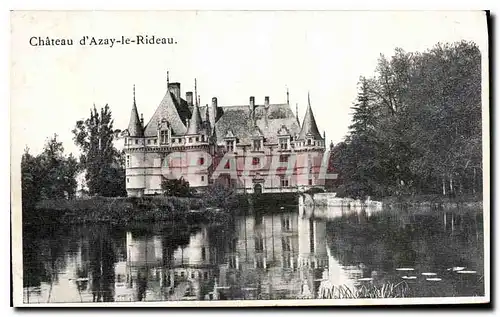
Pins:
<point x="416" y="126"/>
<point x="52" y="174"/>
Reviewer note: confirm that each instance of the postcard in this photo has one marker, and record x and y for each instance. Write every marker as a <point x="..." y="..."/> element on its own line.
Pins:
<point x="249" y="158"/>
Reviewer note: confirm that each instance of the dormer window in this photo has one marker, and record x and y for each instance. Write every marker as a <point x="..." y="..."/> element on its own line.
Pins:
<point x="283" y="143"/>
<point x="308" y="141"/>
<point x="164" y="137"/>
<point x="230" y="145"/>
<point x="257" y="145"/>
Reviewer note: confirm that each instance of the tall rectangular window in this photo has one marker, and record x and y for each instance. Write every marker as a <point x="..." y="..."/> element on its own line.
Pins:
<point x="163" y="137"/>
<point x="284" y="182"/>
<point x="259" y="244"/>
<point x="230" y="146"/>
<point x="128" y="161"/>
<point x="256" y="145"/>
<point x="283" y="144"/>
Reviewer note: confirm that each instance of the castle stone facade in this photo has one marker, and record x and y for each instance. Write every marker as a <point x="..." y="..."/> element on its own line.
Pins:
<point x="254" y="148"/>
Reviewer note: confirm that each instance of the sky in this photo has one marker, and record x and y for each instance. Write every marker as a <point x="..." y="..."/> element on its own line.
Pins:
<point x="233" y="55"/>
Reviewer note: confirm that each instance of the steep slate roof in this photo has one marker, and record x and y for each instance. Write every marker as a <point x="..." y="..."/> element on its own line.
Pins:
<point x="268" y="120"/>
<point x="175" y="112"/>
<point x="135" y="125"/>
<point x="309" y="126"/>
<point x="241" y="120"/>
<point x="272" y="119"/>
<point x="236" y="119"/>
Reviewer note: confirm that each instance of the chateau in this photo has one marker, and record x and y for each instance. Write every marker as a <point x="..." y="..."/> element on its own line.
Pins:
<point x="254" y="148"/>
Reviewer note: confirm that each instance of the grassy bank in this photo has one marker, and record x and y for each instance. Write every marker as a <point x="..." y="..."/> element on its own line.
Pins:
<point x="123" y="211"/>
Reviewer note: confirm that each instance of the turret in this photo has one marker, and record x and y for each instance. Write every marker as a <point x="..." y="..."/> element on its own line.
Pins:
<point x="195" y="123"/>
<point x="309" y="128"/>
<point x="135" y="128"/>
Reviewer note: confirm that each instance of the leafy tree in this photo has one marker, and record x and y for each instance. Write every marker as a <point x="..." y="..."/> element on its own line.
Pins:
<point x="219" y="195"/>
<point x="101" y="161"/>
<point x="417" y="125"/>
<point x="176" y="187"/>
<point x="49" y="175"/>
<point x="31" y="175"/>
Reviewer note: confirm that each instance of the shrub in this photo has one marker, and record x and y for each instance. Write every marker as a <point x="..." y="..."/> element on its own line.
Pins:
<point x="219" y="195"/>
<point x="176" y="187"/>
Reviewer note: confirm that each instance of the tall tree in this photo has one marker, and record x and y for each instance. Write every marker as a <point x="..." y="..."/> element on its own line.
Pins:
<point x="49" y="175"/>
<point x="420" y="131"/>
<point x="100" y="159"/>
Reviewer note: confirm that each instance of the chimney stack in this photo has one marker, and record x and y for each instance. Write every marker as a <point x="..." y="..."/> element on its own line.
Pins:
<point x="213" y="112"/>
<point x="266" y="101"/>
<point x="252" y="103"/>
<point x="189" y="98"/>
<point x="175" y="89"/>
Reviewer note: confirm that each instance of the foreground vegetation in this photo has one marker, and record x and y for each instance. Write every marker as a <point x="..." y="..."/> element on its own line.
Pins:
<point x="386" y="290"/>
<point x="124" y="211"/>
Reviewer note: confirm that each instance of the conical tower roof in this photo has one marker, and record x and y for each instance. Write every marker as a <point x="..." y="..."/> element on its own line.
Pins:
<point x="195" y="123"/>
<point x="309" y="126"/>
<point x="135" y="126"/>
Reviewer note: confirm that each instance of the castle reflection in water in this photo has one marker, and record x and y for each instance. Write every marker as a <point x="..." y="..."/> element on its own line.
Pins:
<point x="269" y="255"/>
<point x="274" y="256"/>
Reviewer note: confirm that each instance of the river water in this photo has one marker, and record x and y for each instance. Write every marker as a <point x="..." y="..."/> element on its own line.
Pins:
<point x="286" y="253"/>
